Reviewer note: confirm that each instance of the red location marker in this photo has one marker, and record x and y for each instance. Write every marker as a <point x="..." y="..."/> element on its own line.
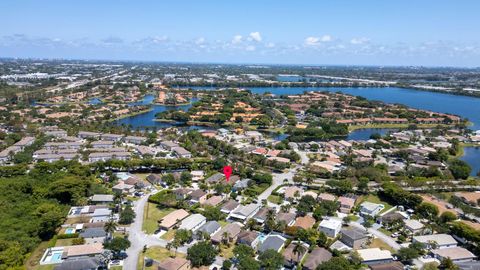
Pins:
<point x="227" y="170"/>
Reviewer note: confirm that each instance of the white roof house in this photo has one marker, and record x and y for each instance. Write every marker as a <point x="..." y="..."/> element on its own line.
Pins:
<point x="331" y="227"/>
<point x="456" y="254"/>
<point x="413" y="225"/>
<point x="371" y="256"/>
<point x="439" y="240"/>
<point x="371" y="209"/>
<point x="193" y="222"/>
<point x="244" y="212"/>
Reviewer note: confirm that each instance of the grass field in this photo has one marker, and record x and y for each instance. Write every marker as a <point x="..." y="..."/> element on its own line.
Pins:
<point x="274" y="199"/>
<point x="169" y="235"/>
<point x="158" y="254"/>
<point x="227" y="251"/>
<point x="151" y="217"/>
<point x="377" y="243"/>
<point x="64" y="242"/>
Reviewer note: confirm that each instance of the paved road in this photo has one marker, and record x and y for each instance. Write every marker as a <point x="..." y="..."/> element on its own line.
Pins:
<point x="385" y="238"/>
<point x="138" y="238"/>
<point x="278" y="181"/>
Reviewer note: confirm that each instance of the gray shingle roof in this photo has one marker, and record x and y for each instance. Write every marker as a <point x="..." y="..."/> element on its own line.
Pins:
<point x="210" y="227"/>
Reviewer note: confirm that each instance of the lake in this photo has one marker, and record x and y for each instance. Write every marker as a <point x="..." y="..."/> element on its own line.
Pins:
<point x="464" y="106"/>
<point x="147" y="119"/>
<point x="365" y="133"/>
<point x="472" y="157"/>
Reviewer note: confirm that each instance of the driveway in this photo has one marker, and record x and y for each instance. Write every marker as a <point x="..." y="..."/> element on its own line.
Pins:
<point x="385" y="238"/>
<point x="278" y="181"/>
<point x="138" y="238"/>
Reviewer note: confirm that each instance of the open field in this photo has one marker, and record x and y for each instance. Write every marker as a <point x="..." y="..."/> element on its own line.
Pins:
<point x="152" y="215"/>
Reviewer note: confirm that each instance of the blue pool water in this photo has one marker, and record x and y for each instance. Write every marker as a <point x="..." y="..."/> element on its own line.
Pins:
<point x="56" y="257"/>
<point x="69" y="230"/>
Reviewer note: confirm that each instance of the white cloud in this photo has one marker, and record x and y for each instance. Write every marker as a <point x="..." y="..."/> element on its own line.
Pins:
<point x="250" y="48"/>
<point x="270" y="45"/>
<point x="326" y="38"/>
<point x="237" y="39"/>
<point x="314" y="41"/>
<point x="359" y="41"/>
<point x="255" y="36"/>
<point x="200" y="41"/>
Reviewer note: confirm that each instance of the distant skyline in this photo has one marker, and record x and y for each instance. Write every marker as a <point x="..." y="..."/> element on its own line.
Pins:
<point x="336" y="32"/>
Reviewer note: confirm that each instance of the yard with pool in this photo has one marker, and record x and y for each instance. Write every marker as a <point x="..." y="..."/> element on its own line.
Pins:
<point x="373" y="198"/>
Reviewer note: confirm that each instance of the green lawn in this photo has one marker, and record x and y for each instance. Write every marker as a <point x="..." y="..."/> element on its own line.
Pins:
<point x="169" y="235"/>
<point x="226" y="251"/>
<point x="222" y="223"/>
<point x="152" y="215"/>
<point x="64" y="242"/>
<point x="274" y="199"/>
<point x="375" y="199"/>
<point x="158" y="254"/>
<point x="33" y="261"/>
<point x="377" y="243"/>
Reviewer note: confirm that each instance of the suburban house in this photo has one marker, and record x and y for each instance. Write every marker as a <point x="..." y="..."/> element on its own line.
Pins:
<point x="94" y="235"/>
<point x="172" y="219"/>
<point x="197" y="196"/>
<point x="414" y="225"/>
<point x="370" y="209"/>
<point x="193" y="222"/>
<point x="80" y="263"/>
<point x="111" y="137"/>
<point x="121" y="187"/>
<point x="371" y="256"/>
<point x="176" y="263"/>
<point x="292" y="257"/>
<point x="135" y="139"/>
<point x="229" y="206"/>
<point x="346" y="204"/>
<point x="231" y="229"/>
<point x="330" y="226"/>
<point x="168" y="145"/>
<point x="101" y="199"/>
<point x="244" y="212"/>
<point x="210" y="228"/>
<point x="181" y="152"/>
<point x="435" y="241"/>
<point x="354" y="237"/>
<point x="456" y="254"/>
<point x="272" y="241"/>
<point x="102" y="144"/>
<point x="305" y="222"/>
<point x="316" y="257"/>
<point x="88" y="135"/>
<point x="213" y="201"/>
<point x="249" y="238"/>
<point x="288" y="218"/>
<point x="154" y="179"/>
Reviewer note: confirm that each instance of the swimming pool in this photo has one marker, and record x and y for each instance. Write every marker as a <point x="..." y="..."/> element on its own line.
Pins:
<point x="69" y="230"/>
<point x="56" y="257"/>
<point x="52" y="256"/>
<point x="261" y="237"/>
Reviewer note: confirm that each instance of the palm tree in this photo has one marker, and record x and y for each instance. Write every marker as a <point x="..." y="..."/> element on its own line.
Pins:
<point x="118" y="197"/>
<point x="110" y="227"/>
<point x="169" y="246"/>
<point x="298" y="250"/>
<point x="225" y="238"/>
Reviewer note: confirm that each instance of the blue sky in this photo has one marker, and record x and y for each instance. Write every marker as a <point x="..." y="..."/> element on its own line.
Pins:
<point x="367" y="32"/>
